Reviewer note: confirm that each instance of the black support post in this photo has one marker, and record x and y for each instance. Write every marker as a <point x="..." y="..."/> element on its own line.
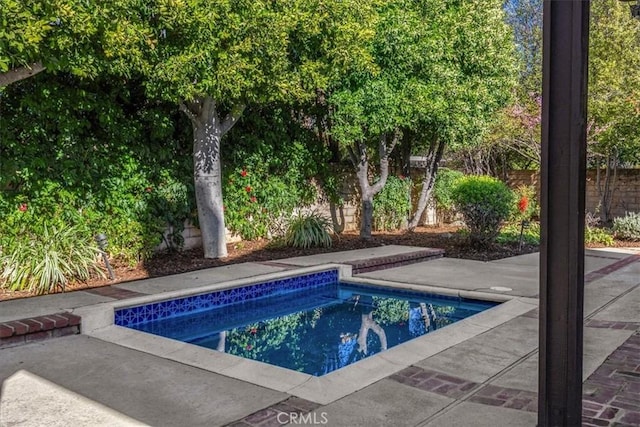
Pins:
<point x="563" y="169"/>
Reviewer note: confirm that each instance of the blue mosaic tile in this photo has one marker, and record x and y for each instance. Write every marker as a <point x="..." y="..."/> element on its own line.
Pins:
<point x="131" y="316"/>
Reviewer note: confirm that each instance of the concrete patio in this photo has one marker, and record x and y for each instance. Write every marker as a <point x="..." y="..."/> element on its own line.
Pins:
<point x="482" y="372"/>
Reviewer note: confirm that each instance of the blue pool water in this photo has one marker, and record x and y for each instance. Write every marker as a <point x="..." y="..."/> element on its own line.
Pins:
<point x="315" y="328"/>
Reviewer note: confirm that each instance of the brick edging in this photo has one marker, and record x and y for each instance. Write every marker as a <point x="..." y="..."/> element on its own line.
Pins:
<point x="611" y="268"/>
<point x="384" y="262"/>
<point x="33" y="329"/>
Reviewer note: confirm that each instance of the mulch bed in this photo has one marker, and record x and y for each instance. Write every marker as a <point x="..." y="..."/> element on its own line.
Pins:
<point x="163" y="264"/>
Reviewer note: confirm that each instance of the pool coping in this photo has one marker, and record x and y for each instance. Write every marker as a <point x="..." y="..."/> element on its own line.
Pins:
<point x="98" y="322"/>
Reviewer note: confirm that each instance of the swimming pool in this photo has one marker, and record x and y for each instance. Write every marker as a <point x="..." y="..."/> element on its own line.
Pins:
<point x="311" y="323"/>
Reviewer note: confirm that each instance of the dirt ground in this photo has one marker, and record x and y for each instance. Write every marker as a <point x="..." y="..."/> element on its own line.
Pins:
<point x="163" y="264"/>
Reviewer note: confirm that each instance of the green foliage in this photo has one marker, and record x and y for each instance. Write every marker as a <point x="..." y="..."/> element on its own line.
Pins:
<point x="168" y="205"/>
<point x="249" y="51"/>
<point x="485" y="203"/>
<point x="442" y="191"/>
<point x="84" y="38"/>
<point x="309" y="230"/>
<point x="614" y="83"/>
<point x="95" y="154"/>
<point x="628" y="226"/>
<point x="597" y="235"/>
<point x="42" y="255"/>
<point x="510" y="233"/>
<point x="443" y="187"/>
<point x="271" y="166"/>
<point x="254" y="201"/>
<point x="392" y="205"/>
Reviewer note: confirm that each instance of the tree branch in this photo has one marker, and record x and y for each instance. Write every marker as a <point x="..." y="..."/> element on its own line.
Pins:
<point x="188" y="112"/>
<point x="384" y="161"/>
<point x="20" y="73"/>
<point x="352" y="155"/>
<point x="397" y="134"/>
<point x="232" y="118"/>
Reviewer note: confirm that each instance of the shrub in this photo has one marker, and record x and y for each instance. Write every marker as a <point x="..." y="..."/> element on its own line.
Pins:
<point x="442" y="190"/>
<point x="597" y="235"/>
<point x="270" y="160"/>
<point x="628" y="226"/>
<point x="254" y="201"/>
<point x="392" y="205"/>
<point x="309" y="230"/>
<point x="104" y="165"/>
<point x="170" y="204"/>
<point x="43" y="258"/>
<point x="485" y="203"/>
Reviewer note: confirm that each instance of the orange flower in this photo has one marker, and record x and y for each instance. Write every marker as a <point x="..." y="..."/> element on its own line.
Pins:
<point x="23" y="207"/>
<point x="243" y="173"/>
<point x="523" y="204"/>
<point x="253" y="199"/>
<point x="248" y="188"/>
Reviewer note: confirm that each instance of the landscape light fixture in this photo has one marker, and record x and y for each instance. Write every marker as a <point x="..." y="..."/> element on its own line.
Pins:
<point x="635" y="8"/>
<point x="101" y="240"/>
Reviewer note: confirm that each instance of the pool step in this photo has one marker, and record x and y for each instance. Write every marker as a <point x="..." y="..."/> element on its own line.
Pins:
<point x="391" y="261"/>
<point x="34" y="329"/>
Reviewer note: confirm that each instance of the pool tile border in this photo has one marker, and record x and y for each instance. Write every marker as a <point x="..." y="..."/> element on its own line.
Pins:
<point x="131" y="316"/>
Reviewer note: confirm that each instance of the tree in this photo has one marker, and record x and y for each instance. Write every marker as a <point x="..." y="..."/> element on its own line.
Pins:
<point x="513" y="141"/>
<point x="369" y="107"/>
<point x="443" y="70"/>
<point x="213" y="57"/>
<point x="476" y="56"/>
<point x="614" y="95"/>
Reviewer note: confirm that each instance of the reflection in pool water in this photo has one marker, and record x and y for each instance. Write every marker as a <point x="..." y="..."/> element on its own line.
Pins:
<point x="317" y="331"/>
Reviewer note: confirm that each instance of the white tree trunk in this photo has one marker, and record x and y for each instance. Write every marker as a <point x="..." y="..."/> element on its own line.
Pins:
<point x="208" y="131"/>
<point x="436" y="149"/>
<point x="360" y="160"/>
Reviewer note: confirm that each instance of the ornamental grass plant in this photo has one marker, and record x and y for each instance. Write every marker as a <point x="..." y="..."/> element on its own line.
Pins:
<point x="40" y="262"/>
<point x="309" y="230"/>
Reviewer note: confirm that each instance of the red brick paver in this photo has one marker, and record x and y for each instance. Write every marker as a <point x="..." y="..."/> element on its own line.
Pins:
<point x="287" y="411"/>
<point x="434" y="382"/>
<point x="33" y="329"/>
<point x="611" y="395"/>
<point x="506" y="398"/>
<point x="113" y="292"/>
<point x="392" y="261"/>
<point x="604" y="271"/>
